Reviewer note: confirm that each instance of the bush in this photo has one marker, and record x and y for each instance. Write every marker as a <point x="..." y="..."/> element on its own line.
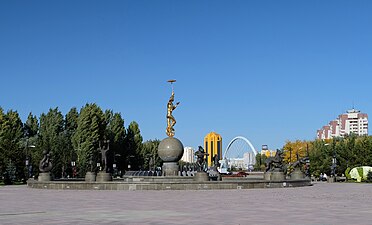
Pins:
<point x="360" y="172"/>
<point x="10" y="174"/>
<point x="347" y="173"/>
<point x="369" y="177"/>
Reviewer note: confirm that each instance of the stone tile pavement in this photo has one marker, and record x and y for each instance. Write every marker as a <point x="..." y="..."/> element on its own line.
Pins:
<point x="322" y="203"/>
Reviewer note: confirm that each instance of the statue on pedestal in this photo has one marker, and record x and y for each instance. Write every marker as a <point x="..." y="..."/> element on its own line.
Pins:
<point x="275" y="164"/>
<point x="298" y="168"/>
<point x="200" y="162"/>
<point x="104" y="149"/>
<point x="170" y="149"/>
<point x="45" y="164"/>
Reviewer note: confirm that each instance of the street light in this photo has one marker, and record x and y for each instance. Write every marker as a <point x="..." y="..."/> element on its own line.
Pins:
<point x="129" y="161"/>
<point x="73" y="164"/>
<point x="334" y="161"/>
<point x="27" y="162"/>
<point x="114" y="167"/>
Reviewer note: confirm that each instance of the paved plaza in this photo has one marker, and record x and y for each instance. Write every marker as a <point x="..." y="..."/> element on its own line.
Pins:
<point x="322" y="203"/>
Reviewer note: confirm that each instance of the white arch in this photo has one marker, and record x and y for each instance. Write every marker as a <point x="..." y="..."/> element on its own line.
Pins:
<point x="242" y="138"/>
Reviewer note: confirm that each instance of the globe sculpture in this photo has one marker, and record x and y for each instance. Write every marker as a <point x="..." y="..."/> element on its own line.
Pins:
<point x="170" y="149"/>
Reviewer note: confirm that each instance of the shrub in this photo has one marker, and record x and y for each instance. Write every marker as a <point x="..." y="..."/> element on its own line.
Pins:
<point x="360" y="172"/>
<point x="347" y="173"/>
<point x="369" y="176"/>
<point x="10" y="174"/>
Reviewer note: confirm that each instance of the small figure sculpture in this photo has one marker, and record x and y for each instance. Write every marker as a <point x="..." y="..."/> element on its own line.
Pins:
<point x="91" y="164"/>
<point x="45" y="164"/>
<point x="298" y="165"/>
<point x="171" y="121"/>
<point x="275" y="163"/>
<point x="216" y="162"/>
<point x="104" y="149"/>
<point x="200" y="162"/>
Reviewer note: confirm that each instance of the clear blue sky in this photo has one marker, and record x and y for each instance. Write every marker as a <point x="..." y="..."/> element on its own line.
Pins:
<point x="268" y="70"/>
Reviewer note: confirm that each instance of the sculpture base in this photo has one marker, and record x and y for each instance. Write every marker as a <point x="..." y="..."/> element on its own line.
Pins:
<point x="44" y="177"/>
<point x="90" y="177"/>
<point x="201" y="176"/>
<point x="274" y="176"/>
<point x="170" y="169"/>
<point x="267" y="175"/>
<point x="103" y="177"/>
<point x="297" y="175"/>
<point x="277" y="176"/>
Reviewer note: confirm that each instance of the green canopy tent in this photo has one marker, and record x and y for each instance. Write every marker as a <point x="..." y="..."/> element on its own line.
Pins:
<point x="355" y="174"/>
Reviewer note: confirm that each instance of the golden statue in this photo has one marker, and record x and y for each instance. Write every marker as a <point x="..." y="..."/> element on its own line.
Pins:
<point x="171" y="121"/>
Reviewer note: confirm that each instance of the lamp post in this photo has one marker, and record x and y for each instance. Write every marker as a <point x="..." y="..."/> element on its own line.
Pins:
<point x="334" y="162"/>
<point x="129" y="161"/>
<point x="114" y="167"/>
<point x="307" y="171"/>
<point x="27" y="162"/>
<point x="73" y="164"/>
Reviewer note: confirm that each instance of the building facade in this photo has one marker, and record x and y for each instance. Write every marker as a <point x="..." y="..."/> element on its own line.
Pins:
<point x="188" y="155"/>
<point x="213" y="146"/>
<point x="265" y="151"/>
<point x="353" y="121"/>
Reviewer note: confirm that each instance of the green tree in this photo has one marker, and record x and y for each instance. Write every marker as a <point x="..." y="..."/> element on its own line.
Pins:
<point x="52" y="138"/>
<point x="115" y="132"/>
<point x="11" y="139"/>
<point x="70" y="126"/>
<point x="31" y="130"/>
<point x="260" y="162"/>
<point x="10" y="173"/>
<point x="31" y="126"/>
<point x="320" y="156"/>
<point x="3" y="153"/>
<point x="90" y="130"/>
<point x="150" y="154"/>
<point x="133" y="144"/>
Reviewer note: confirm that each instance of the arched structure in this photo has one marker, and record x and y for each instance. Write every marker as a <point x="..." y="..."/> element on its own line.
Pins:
<point x="241" y="138"/>
<point x="240" y="162"/>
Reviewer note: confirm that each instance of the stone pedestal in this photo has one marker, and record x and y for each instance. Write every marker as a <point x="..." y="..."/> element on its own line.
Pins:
<point x="297" y="175"/>
<point x="44" y="177"/>
<point x="277" y="176"/>
<point x="170" y="169"/>
<point x="90" y="177"/>
<point x="267" y="176"/>
<point x="170" y="150"/>
<point x="103" y="177"/>
<point x="201" y="176"/>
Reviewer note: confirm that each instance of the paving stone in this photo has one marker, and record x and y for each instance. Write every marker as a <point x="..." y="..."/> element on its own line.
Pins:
<point x="322" y="203"/>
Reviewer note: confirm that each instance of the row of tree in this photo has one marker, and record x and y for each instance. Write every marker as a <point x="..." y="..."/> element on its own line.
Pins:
<point x="73" y="137"/>
<point x="347" y="152"/>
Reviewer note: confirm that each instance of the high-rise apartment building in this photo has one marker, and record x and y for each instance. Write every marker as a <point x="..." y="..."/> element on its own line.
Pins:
<point x="188" y="155"/>
<point x="213" y="146"/>
<point x="353" y="121"/>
